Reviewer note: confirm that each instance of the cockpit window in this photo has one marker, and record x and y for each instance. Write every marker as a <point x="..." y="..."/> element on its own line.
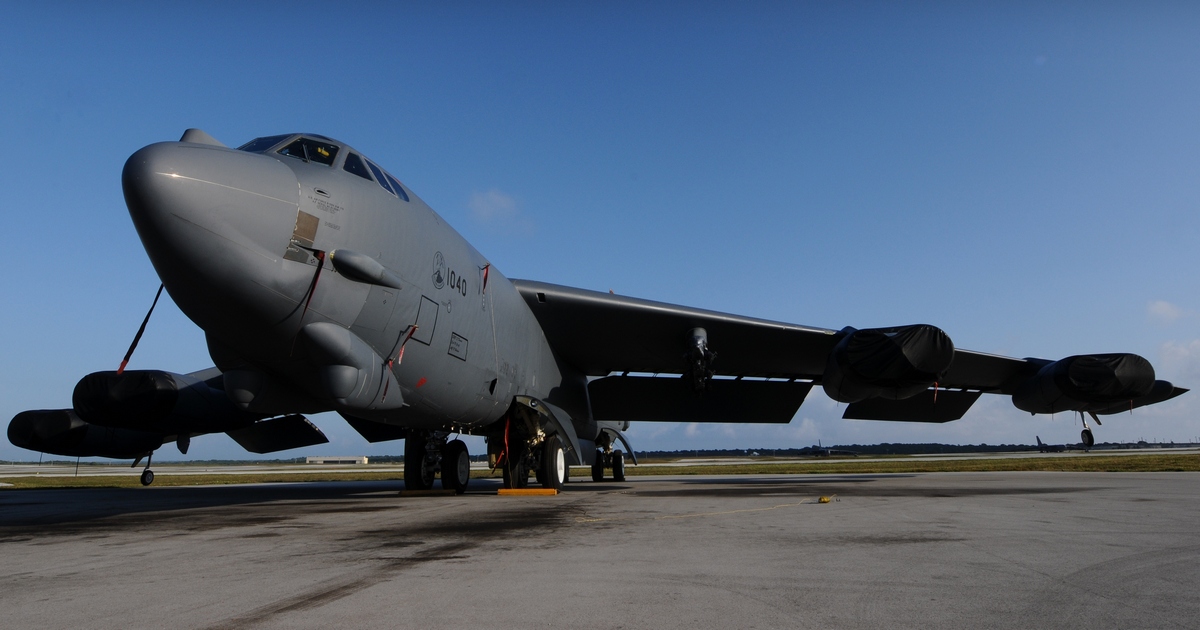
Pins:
<point x="396" y="187"/>
<point x="311" y="150"/>
<point x="259" y="145"/>
<point x="379" y="177"/>
<point x="354" y="164"/>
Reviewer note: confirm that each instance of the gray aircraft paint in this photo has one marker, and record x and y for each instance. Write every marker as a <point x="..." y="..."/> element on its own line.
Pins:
<point x="206" y="247"/>
<point x="318" y="290"/>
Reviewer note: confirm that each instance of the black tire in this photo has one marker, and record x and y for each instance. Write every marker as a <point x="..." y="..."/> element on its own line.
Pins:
<point x="147" y="477"/>
<point x="415" y="475"/>
<point x="618" y="466"/>
<point x="456" y="466"/>
<point x="516" y="467"/>
<point x="598" y="466"/>
<point x="553" y="467"/>
<point x="1087" y="437"/>
<point x="516" y="473"/>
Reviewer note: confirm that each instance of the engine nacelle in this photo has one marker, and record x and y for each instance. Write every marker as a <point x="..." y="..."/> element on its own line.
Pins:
<point x="353" y="376"/>
<point x="156" y="401"/>
<point x="1090" y="382"/>
<point x="893" y="363"/>
<point x="62" y="432"/>
<point x="1160" y="392"/>
<point x="257" y="392"/>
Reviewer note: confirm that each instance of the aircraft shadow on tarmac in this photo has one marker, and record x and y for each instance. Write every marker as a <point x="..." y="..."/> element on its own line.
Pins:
<point x="50" y="507"/>
<point x="69" y="511"/>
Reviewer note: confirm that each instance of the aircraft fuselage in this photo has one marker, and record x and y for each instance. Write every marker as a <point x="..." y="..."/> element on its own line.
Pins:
<point x="243" y="243"/>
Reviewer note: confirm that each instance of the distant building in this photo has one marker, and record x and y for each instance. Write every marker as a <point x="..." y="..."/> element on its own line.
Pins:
<point x="335" y="460"/>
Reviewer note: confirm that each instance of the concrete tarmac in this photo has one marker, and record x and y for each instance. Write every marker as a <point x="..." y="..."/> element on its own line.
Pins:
<point x="946" y="550"/>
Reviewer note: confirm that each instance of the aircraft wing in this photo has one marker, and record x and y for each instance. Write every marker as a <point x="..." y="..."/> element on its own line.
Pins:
<point x="989" y="372"/>
<point x="602" y="334"/>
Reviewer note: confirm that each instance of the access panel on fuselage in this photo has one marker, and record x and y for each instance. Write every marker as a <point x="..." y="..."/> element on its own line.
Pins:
<point x="427" y="316"/>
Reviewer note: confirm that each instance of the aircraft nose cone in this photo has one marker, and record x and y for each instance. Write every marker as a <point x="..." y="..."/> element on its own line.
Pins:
<point x="234" y="193"/>
<point x="214" y="221"/>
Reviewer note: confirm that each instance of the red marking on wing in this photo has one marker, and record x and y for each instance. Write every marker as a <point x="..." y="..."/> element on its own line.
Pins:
<point x="421" y="382"/>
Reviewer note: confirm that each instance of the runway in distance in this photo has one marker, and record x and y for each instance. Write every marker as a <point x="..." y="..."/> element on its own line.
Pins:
<point x="323" y="283"/>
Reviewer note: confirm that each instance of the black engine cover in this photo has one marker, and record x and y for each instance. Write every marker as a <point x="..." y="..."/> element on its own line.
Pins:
<point x="137" y="399"/>
<point x="893" y="363"/>
<point x="61" y="432"/>
<point x="157" y="401"/>
<point x="1090" y="382"/>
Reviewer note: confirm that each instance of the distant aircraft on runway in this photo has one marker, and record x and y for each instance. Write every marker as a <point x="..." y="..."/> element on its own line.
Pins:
<point x="817" y="450"/>
<point x="1050" y="448"/>
<point x="323" y="283"/>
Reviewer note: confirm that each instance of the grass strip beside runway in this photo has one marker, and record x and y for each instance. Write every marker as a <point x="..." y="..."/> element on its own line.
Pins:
<point x="1089" y="463"/>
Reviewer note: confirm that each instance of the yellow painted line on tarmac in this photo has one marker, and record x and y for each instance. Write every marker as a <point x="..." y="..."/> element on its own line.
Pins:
<point x="527" y="492"/>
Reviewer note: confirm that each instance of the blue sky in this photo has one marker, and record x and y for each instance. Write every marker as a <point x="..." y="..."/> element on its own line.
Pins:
<point x="1024" y="176"/>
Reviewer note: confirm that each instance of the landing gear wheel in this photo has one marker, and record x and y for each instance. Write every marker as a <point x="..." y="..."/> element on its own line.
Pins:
<point x="516" y="467"/>
<point x="516" y="474"/>
<point x="598" y="466"/>
<point x="554" y="464"/>
<point x="417" y="476"/>
<point x="147" y="477"/>
<point x="618" y="466"/>
<point x="1087" y="438"/>
<point x="456" y="466"/>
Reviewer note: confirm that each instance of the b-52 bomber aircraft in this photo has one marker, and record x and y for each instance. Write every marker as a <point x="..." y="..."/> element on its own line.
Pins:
<point x="817" y="450"/>
<point x="323" y="283"/>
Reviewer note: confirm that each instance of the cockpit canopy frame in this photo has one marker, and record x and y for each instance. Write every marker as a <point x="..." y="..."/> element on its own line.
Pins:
<point x="316" y="149"/>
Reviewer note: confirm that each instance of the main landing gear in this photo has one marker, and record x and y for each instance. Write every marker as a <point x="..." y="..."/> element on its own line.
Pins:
<point x="426" y="454"/>
<point x="546" y="458"/>
<point x="551" y="467"/>
<point x="609" y="457"/>
<point x="523" y="447"/>
<point x="614" y="460"/>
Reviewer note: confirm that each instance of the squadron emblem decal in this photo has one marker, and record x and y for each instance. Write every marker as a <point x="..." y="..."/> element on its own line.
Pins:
<point x="443" y="276"/>
<point x="439" y="270"/>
